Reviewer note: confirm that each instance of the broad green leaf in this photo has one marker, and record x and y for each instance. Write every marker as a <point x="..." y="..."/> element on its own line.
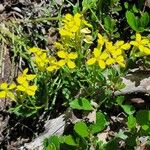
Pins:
<point x="100" y="123"/>
<point x="68" y="139"/>
<point x="81" y="129"/>
<point x="109" y="23"/>
<point x="144" y="20"/>
<point x="128" y="109"/>
<point x="143" y="117"/>
<point x="120" y="100"/>
<point x="131" y="122"/>
<point x="81" y="104"/>
<point x="132" y="20"/>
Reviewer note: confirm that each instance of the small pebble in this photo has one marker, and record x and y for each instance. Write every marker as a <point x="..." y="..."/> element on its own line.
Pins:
<point x="1" y="8"/>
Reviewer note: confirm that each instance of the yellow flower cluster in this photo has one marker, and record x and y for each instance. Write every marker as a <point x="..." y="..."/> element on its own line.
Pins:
<point x="23" y="85"/>
<point x="74" y="24"/>
<point x="50" y="63"/>
<point x="7" y="90"/>
<point x="142" y="44"/>
<point x="106" y="53"/>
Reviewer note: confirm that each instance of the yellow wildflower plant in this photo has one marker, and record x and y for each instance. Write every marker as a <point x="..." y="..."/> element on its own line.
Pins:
<point x="122" y="45"/>
<point x="66" y="58"/>
<point x="99" y="57"/>
<point x="26" y="88"/>
<point x="23" y="83"/>
<point x="6" y="90"/>
<point x="72" y="24"/>
<point x="53" y="64"/>
<point x="101" y="40"/>
<point x="142" y="44"/>
<point x="116" y="53"/>
<point x="28" y="77"/>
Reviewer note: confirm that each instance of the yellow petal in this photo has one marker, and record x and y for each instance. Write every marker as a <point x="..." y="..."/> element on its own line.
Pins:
<point x="91" y="61"/>
<point x="102" y="64"/>
<point x="119" y="43"/>
<point x="126" y="46"/>
<point x="138" y="37"/>
<point x="144" y="50"/>
<point x="25" y="71"/>
<point x="4" y="86"/>
<point x="71" y="64"/>
<point x="68" y="17"/>
<point x="58" y="45"/>
<point x="30" y="77"/>
<point x="52" y="60"/>
<point x="51" y="68"/>
<point x="110" y="61"/>
<point x="20" y="88"/>
<point x="144" y="41"/>
<point x="134" y="43"/>
<point x="61" y="63"/>
<point x="104" y="55"/>
<point x="120" y="60"/>
<point x="21" y="79"/>
<point x="72" y="55"/>
<point x="33" y="49"/>
<point x="3" y="94"/>
<point x="31" y="90"/>
<point x="62" y="54"/>
<point x="12" y="86"/>
<point x="96" y="52"/>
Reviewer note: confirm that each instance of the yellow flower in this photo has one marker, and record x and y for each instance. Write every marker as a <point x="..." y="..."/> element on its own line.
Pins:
<point x="53" y="64"/>
<point x="26" y="88"/>
<point x="101" y="40"/>
<point x="122" y="46"/>
<point x="141" y="44"/>
<point x="6" y="90"/>
<point x="99" y="57"/>
<point x="109" y="47"/>
<point x="28" y="77"/>
<point x="67" y="59"/>
<point x="71" y="25"/>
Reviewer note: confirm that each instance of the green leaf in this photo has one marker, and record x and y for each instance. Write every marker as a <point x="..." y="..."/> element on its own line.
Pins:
<point x="120" y="100"/>
<point x="100" y="123"/>
<point x="109" y="24"/>
<point x="81" y="129"/>
<point x="86" y="4"/>
<point x="128" y="109"/>
<point x="143" y="118"/>
<point x="51" y="143"/>
<point x="81" y="104"/>
<point x="132" y="21"/>
<point x="144" y="20"/>
<point x="68" y="139"/>
<point x="135" y="9"/>
<point x="131" y="122"/>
